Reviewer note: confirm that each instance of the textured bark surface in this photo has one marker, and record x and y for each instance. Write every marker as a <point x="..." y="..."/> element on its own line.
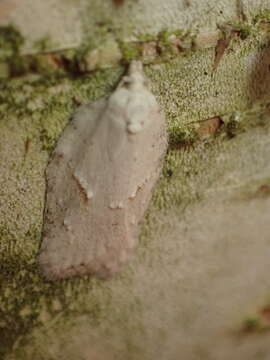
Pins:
<point x="83" y="19"/>
<point x="199" y="286"/>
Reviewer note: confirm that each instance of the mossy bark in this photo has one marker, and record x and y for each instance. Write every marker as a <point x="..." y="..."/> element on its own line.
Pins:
<point x="203" y="235"/>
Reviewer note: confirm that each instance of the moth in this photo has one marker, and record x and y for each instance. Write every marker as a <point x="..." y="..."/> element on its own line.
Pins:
<point x="99" y="181"/>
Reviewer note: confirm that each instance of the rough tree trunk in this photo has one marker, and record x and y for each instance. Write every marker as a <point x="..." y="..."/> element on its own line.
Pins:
<point x="198" y="286"/>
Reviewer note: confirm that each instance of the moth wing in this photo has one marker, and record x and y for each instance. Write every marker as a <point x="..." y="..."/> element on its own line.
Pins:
<point x="99" y="184"/>
<point x="79" y="129"/>
<point x="135" y="158"/>
<point x="65" y="195"/>
<point x="136" y="167"/>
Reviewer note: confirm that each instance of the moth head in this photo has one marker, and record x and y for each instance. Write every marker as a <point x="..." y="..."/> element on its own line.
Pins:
<point x="136" y="123"/>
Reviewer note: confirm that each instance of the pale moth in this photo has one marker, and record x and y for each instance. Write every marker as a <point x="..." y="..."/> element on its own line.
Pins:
<point x="99" y="181"/>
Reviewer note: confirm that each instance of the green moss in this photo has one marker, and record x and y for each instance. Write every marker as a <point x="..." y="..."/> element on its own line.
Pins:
<point x="169" y="45"/>
<point x="27" y="301"/>
<point x="232" y="124"/>
<point x="164" y="36"/>
<point x="73" y="61"/>
<point x="13" y="322"/>
<point x="91" y="42"/>
<point x="50" y="110"/>
<point x="240" y="121"/>
<point x="130" y="51"/>
<point x="44" y="44"/>
<point x="251" y="324"/>
<point x="258" y="323"/>
<point x="263" y="16"/>
<point x="10" y="42"/>
<point x="146" y="37"/>
<point x="4" y="70"/>
<point x="182" y="136"/>
<point x="244" y="30"/>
